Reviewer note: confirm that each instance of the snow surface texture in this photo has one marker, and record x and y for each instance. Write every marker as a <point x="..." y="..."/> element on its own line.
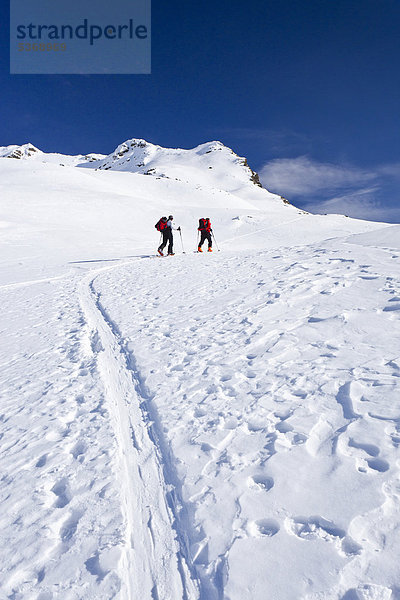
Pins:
<point x="222" y="426"/>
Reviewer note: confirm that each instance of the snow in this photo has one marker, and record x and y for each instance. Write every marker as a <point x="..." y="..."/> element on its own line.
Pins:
<point x="387" y="237"/>
<point x="215" y="426"/>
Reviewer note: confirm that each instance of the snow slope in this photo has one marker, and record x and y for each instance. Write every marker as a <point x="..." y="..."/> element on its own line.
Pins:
<point x="199" y="426"/>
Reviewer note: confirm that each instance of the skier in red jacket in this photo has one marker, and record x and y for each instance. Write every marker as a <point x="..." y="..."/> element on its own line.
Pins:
<point x="205" y="233"/>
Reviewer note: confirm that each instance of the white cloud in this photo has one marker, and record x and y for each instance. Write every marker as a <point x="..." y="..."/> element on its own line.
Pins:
<point x="360" y="204"/>
<point x="341" y="189"/>
<point x="390" y="170"/>
<point x="301" y="175"/>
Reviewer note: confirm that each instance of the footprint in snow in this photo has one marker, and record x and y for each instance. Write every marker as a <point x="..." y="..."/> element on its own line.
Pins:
<point x="226" y="377"/>
<point x="207" y="448"/>
<point x="283" y="427"/>
<point x="370" y="449"/>
<point x="260" y="482"/>
<point x="391" y="308"/>
<point x="42" y="461"/>
<point x="378" y="464"/>
<point x="263" y="528"/>
<point x="251" y="375"/>
<point x="297" y="439"/>
<point x="312" y="528"/>
<point x="318" y="528"/>
<point x="199" y="412"/>
<point x="364" y="465"/>
<point x="369" y="458"/>
<point x="78" y="450"/>
<point x="315" y="320"/>
<point x="254" y="426"/>
<point x="60" y="489"/>
<point x="93" y="566"/>
<point x="40" y="576"/>
<point x="70" y="526"/>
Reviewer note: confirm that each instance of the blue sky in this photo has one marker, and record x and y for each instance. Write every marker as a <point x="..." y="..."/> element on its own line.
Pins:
<point x="308" y="90"/>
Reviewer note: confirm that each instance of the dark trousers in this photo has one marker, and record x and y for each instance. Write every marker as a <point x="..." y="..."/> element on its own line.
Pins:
<point x="205" y="235"/>
<point x="167" y="239"/>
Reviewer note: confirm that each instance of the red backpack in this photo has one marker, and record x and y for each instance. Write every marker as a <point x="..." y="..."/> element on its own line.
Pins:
<point x="162" y="224"/>
<point x="204" y="225"/>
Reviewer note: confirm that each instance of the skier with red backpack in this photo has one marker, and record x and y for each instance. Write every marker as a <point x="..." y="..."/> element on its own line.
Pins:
<point x="205" y="234"/>
<point x="165" y="227"/>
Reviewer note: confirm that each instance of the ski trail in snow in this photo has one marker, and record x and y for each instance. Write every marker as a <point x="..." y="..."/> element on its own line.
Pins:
<point x="20" y="284"/>
<point x="260" y="230"/>
<point x="154" y="564"/>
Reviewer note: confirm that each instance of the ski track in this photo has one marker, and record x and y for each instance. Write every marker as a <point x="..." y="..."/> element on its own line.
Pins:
<point x="155" y="562"/>
<point x="219" y="404"/>
<point x="21" y="284"/>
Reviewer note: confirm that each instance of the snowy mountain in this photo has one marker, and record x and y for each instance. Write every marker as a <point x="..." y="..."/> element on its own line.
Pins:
<point x="25" y="151"/>
<point x="208" y="165"/>
<point x="201" y="427"/>
<point x="194" y="166"/>
<point x="29" y="151"/>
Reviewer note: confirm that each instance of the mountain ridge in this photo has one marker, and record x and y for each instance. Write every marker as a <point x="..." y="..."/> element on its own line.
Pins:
<point x="30" y="151"/>
<point x="136" y="155"/>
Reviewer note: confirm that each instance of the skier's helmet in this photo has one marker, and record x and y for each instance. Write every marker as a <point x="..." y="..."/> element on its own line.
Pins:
<point x="170" y="217"/>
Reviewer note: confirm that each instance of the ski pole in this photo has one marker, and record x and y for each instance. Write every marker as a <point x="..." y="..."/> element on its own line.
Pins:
<point x="183" y="249"/>
<point x="215" y="240"/>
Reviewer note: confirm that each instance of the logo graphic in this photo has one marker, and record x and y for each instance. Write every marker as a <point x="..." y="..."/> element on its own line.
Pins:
<point x="80" y="37"/>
